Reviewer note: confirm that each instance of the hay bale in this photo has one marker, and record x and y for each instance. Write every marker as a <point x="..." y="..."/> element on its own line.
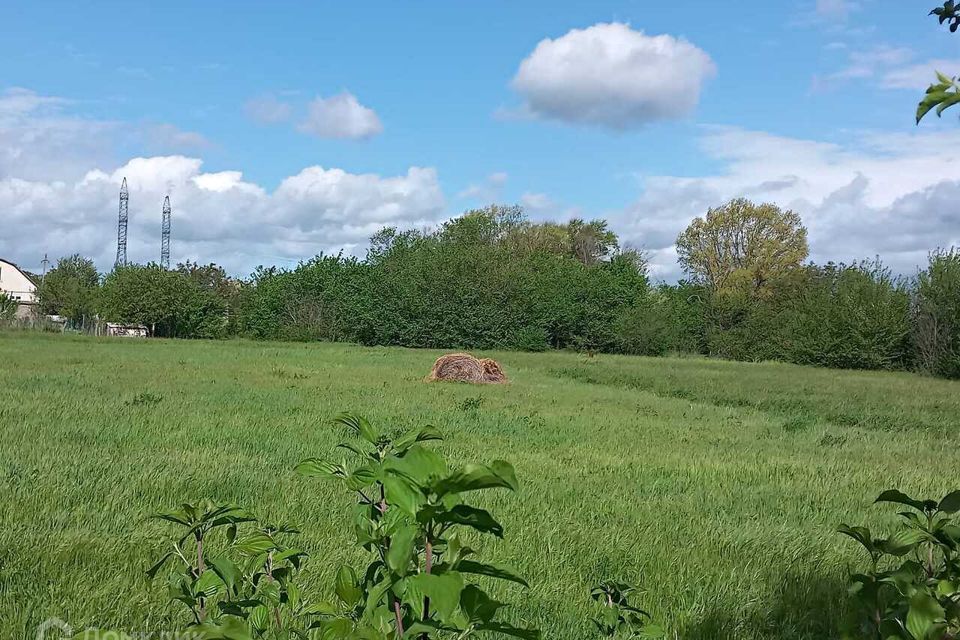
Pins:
<point x="463" y="367"/>
<point x="492" y="371"/>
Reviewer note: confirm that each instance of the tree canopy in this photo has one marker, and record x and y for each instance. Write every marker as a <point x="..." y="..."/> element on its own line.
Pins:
<point x="742" y="245"/>
<point x="70" y="289"/>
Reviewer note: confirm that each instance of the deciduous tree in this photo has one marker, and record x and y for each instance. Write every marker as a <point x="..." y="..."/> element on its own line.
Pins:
<point x="70" y="289"/>
<point x="742" y="246"/>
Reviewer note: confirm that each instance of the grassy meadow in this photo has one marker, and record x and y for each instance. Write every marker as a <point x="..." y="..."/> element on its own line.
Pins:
<point x="717" y="486"/>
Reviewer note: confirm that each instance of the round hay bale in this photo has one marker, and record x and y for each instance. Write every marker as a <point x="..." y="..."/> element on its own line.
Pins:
<point x="492" y="371"/>
<point x="460" y="367"/>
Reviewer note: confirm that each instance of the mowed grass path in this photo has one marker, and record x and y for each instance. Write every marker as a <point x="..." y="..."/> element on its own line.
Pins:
<point x="715" y="485"/>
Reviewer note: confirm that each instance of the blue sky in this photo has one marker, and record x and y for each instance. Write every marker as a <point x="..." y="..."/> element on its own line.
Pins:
<point x="808" y="104"/>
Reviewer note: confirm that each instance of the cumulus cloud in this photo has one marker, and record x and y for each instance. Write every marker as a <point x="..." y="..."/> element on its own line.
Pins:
<point x="613" y="76"/>
<point x="46" y="208"/>
<point x="340" y="116"/>
<point x="879" y="194"/>
<point x="216" y="216"/>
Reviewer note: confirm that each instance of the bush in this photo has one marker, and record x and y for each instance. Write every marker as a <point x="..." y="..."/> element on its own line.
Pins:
<point x="936" y="330"/>
<point x="849" y="316"/>
<point x="168" y="302"/>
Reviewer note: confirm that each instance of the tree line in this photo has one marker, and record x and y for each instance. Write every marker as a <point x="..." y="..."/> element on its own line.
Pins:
<point x="493" y="279"/>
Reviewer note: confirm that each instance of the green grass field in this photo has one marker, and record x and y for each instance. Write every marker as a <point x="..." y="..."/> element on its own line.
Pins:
<point x="715" y="485"/>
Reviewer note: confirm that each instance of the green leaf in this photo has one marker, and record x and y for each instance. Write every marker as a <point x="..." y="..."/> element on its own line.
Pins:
<point x="346" y="587"/>
<point x="315" y="467"/>
<point x="478" y="519"/>
<point x="949" y="101"/>
<point x="152" y="571"/>
<point x="860" y="534"/>
<point x="336" y="629"/>
<point x="178" y="517"/>
<point x="349" y="446"/>
<point x="259" y="618"/>
<point x="491" y="570"/>
<point x="208" y="585"/>
<point x="443" y="591"/>
<point x="269" y="590"/>
<point x="419" y="464"/>
<point x="410" y="438"/>
<point x="256" y="543"/>
<point x="476" y="476"/>
<point x="228" y="572"/>
<point x="923" y="614"/>
<point x="930" y="100"/>
<point x="477" y="605"/>
<point x="898" y="497"/>
<point x="358" y="425"/>
<point x="400" y="553"/>
<point x="401" y="492"/>
<point x="950" y="502"/>
<point x="902" y="542"/>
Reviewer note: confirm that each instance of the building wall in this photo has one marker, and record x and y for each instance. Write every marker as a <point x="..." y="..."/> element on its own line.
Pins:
<point x="14" y="283"/>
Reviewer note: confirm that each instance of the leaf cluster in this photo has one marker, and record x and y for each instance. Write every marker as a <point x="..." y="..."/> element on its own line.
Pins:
<point x="911" y="589"/>
<point x="410" y="512"/>
<point x="616" y="617"/>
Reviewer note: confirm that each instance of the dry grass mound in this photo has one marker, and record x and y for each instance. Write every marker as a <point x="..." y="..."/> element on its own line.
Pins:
<point x="492" y="371"/>
<point x="463" y="367"/>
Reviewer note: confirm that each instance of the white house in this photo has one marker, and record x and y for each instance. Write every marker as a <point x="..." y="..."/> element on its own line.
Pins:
<point x="17" y="284"/>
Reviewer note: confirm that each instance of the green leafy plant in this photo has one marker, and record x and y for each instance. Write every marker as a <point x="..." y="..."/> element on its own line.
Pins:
<point x="911" y="589"/>
<point x="409" y="514"/>
<point x="236" y="584"/>
<point x="616" y="617"/>
<point x="8" y="306"/>
<point x="943" y="94"/>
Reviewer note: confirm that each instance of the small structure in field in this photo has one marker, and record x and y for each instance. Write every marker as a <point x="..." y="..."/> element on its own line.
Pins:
<point x="463" y="367"/>
<point x="127" y="330"/>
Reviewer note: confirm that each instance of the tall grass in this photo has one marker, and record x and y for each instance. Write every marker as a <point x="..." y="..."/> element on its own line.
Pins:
<point x="715" y="485"/>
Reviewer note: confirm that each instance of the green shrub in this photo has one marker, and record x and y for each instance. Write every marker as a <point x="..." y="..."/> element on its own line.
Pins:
<point x="911" y="589"/>
<point x="937" y="323"/>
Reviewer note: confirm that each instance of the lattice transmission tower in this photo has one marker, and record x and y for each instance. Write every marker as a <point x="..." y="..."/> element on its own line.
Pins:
<point x="122" y="227"/>
<point x="165" y="235"/>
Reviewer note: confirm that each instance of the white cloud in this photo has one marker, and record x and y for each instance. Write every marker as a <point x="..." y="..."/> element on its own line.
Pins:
<point x="267" y="110"/>
<point x="53" y="201"/>
<point x="490" y="190"/>
<point x="216" y="216"/>
<point x="919" y="76"/>
<point x="880" y="194"/>
<point x="340" y="116"/>
<point x="613" y="76"/>
<point x="167" y="137"/>
<point x="890" y="67"/>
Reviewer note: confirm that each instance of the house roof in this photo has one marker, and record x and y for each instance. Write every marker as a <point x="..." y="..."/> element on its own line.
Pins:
<point x="32" y="277"/>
